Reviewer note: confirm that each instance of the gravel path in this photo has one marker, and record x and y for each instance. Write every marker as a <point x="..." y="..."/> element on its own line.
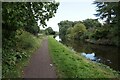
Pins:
<point x="40" y="64"/>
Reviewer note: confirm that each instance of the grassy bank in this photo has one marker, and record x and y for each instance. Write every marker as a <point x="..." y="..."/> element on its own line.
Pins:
<point x="70" y="65"/>
<point x="17" y="51"/>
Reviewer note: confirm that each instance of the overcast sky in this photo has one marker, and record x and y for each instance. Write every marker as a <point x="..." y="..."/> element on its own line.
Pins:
<point x="72" y="10"/>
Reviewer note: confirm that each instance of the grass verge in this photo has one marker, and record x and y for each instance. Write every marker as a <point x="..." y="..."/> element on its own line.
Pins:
<point x="71" y="65"/>
<point x="17" y="52"/>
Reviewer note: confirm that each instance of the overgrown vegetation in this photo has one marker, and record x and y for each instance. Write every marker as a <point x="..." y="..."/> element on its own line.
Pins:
<point x="71" y="65"/>
<point x="20" y="32"/>
<point x="17" y="51"/>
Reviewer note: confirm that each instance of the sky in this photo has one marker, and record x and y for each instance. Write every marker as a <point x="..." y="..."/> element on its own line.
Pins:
<point x="72" y="10"/>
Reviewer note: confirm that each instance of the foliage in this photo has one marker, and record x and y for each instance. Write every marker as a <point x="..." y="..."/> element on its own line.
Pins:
<point x="69" y="34"/>
<point x="100" y="33"/>
<point x="69" y="64"/>
<point x="49" y="31"/>
<point x="110" y="12"/>
<point x="17" y="18"/>
<point x="63" y="26"/>
<point x="91" y="23"/>
<point x="78" y="30"/>
<point x="15" y="51"/>
<point x="106" y="10"/>
<point x="25" y="40"/>
<point x="26" y="15"/>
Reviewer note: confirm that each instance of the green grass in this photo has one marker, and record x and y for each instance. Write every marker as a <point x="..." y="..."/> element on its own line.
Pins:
<point x="69" y="65"/>
<point x="15" y="58"/>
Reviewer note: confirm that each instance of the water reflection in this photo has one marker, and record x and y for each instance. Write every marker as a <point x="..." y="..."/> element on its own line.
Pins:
<point x="90" y="56"/>
<point x="108" y="55"/>
<point x="57" y="38"/>
<point x="104" y="54"/>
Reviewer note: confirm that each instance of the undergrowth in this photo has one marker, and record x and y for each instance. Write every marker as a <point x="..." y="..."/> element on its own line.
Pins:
<point x="16" y="51"/>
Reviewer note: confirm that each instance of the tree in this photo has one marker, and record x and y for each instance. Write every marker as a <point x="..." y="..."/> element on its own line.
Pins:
<point x="78" y="30"/>
<point x="91" y="26"/>
<point x="104" y="10"/>
<point x="110" y="11"/>
<point x="69" y="33"/>
<point x="26" y="14"/>
<point x="49" y="31"/>
<point x="63" y="26"/>
<point x="91" y="23"/>
<point x="19" y="19"/>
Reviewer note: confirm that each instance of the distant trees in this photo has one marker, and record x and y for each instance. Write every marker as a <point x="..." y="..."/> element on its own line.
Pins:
<point x="78" y="30"/>
<point x="49" y="31"/>
<point x="71" y="30"/>
<point x="63" y="26"/>
<point x="91" y="23"/>
<point x="87" y="30"/>
<point x="92" y="29"/>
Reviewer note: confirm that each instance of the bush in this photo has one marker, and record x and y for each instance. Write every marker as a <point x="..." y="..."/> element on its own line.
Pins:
<point x="16" y="50"/>
<point x="25" y="40"/>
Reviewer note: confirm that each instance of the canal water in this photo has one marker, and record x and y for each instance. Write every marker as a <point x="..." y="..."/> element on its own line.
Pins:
<point x="108" y="55"/>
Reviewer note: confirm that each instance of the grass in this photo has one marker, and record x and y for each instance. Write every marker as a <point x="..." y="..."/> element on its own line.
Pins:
<point x="16" y="58"/>
<point x="69" y="65"/>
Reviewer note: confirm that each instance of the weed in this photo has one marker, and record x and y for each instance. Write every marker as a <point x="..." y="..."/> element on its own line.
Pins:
<point x="16" y="53"/>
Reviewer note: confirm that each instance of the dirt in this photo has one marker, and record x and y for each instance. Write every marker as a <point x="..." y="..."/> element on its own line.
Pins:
<point x="40" y="64"/>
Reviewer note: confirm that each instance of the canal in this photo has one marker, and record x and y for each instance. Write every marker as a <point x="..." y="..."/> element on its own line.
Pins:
<point x="108" y="55"/>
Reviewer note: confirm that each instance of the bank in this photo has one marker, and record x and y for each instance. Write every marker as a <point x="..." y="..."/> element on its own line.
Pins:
<point x="71" y="65"/>
<point x="15" y="58"/>
<point x="106" y="42"/>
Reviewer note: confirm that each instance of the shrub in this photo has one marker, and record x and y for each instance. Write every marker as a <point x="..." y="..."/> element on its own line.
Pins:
<point x="16" y="50"/>
<point x="25" y="40"/>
